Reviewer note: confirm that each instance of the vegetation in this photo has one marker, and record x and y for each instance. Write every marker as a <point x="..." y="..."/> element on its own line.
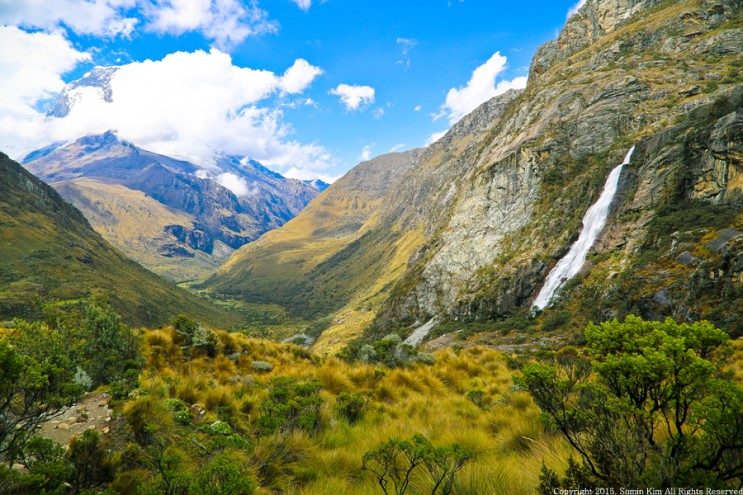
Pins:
<point x="647" y="405"/>
<point x="50" y="252"/>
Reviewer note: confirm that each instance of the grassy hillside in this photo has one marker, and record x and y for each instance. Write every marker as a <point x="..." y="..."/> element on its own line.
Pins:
<point x="136" y="224"/>
<point x="50" y="252"/>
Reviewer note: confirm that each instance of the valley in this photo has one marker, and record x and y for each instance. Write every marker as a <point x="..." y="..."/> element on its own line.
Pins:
<point x="548" y="297"/>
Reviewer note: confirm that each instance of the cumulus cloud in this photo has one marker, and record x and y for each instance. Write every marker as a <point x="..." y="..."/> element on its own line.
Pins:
<point x="480" y="88"/>
<point x="299" y="76"/>
<point x="32" y="65"/>
<point x="96" y="17"/>
<point x="418" y="108"/>
<point x="354" y="97"/>
<point x="227" y="22"/>
<point x="574" y="9"/>
<point x="303" y="4"/>
<point x="189" y="105"/>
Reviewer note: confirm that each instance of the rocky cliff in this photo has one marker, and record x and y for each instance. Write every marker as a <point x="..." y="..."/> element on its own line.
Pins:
<point x="488" y="210"/>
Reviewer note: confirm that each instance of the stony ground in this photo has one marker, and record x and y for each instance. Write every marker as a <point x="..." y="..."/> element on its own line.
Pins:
<point x="92" y="413"/>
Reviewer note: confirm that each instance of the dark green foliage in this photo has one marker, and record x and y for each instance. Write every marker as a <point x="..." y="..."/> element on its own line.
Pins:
<point x="687" y="216"/>
<point x="88" y="458"/>
<point x="223" y="475"/>
<point x="650" y="407"/>
<point x="351" y="406"/>
<point x="548" y="481"/>
<point x="48" y="471"/>
<point x="395" y="462"/>
<point x="34" y="385"/>
<point x="476" y="397"/>
<point x="556" y="320"/>
<point x="185" y="328"/>
<point x="389" y="351"/>
<point x="290" y="406"/>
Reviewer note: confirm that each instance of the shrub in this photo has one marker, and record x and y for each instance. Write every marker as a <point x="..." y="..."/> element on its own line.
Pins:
<point x="395" y="462"/>
<point x="223" y="475"/>
<point x="351" y="406"/>
<point x="290" y="406"/>
<point x="650" y="396"/>
<point x="262" y="366"/>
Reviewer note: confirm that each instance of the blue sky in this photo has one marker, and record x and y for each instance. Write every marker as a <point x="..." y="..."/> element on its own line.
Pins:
<point x="308" y="87"/>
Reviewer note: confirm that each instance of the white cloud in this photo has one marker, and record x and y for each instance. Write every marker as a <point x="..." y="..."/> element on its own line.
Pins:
<point x="366" y="153"/>
<point x="397" y="147"/>
<point x="96" y="17"/>
<point x="378" y="113"/>
<point x="31" y="65"/>
<point x="574" y="9"/>
<point x="188" y="105"/>
<point x="354" y="97"/>
<point x="303" y="4"/>
<point x="234" y="183"/>
<point x="299" y="76"/>
<point x="295" y="173"/>
<point x="227" y="22"/>
<point x="435" y="137"/>
<point x="418" y="108"/>
<point x="480" y="88"/>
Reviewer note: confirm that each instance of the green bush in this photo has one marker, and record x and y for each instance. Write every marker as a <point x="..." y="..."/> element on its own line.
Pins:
<point x="290" y="406"/>
<point x="651" y="395"/>
<point x="351" y="406"/>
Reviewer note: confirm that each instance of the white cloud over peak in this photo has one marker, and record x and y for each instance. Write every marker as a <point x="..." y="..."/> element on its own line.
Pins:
<point x="234" y="183"/>
<point x="435" y="137"/>
<point x="354" y="97"/>
<point x="480" y="88"/>
<point x="299" y="76"/>
<point x="32" y="65"/>
<point x="189" y="104"/>
<point x="303" y="4"/>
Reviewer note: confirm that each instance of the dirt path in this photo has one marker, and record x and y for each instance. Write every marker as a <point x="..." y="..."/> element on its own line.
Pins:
<point x="92" y="413"/>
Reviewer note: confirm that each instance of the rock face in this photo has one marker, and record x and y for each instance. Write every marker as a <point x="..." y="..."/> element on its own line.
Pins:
<point x="487" y="211"/>
<point x="186" y="222"/>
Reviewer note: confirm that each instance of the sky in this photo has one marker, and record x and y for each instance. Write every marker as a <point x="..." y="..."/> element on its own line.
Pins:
<point x="307" y="87"/>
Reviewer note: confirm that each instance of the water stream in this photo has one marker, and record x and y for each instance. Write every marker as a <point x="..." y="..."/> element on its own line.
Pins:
<point x="593" y="223"/>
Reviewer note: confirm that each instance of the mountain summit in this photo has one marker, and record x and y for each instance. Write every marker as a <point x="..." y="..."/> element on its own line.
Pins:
<point x="175" y="217"/>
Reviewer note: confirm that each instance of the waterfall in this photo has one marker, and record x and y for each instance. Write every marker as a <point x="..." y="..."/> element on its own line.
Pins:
<point x="421" y="332"/>
<point x="593" y="223"/>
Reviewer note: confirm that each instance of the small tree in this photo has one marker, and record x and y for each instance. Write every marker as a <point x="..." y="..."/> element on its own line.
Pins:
<point x="31" y="392"/>
<point x="648" y="406"/>
<point x="395" y="461"/>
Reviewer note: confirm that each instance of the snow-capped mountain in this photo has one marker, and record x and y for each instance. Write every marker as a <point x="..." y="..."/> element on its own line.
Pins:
<point x="175" y="217"/>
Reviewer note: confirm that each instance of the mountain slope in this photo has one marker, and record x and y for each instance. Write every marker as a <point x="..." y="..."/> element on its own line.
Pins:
<point x="210" y="211"/>
<point x="269" y="268"/>
<point x="497" y="201"/>
<point x="50" y="252"/>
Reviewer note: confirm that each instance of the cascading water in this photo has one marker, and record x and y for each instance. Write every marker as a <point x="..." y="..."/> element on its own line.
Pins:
<point x="593" y="223"/>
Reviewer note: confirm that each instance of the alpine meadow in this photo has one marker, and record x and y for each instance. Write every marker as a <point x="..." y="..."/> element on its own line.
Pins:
<point x="327" y="248"/>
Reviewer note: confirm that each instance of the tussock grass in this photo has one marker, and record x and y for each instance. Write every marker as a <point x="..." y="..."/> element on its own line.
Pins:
<point x="503" y="430"/>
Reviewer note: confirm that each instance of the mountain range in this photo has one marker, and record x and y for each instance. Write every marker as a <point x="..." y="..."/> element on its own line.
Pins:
<point x="178" y="219"/>
<point x="469" y="230"/>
